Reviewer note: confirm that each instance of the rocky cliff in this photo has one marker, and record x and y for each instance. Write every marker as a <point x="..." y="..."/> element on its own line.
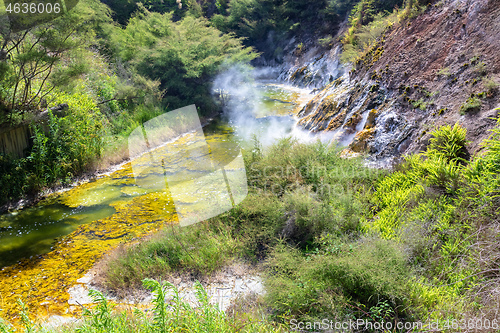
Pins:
<point x="441" y="67"/>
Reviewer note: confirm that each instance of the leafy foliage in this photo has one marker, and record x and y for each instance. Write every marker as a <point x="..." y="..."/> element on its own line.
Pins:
<point x="436" y="204"/>
<point x="113" y="78"/>
<point x="31" y="56"/>
<point x="265" y="23"/>
<point x="448" y="143"/>
<point x="181" y="55"/>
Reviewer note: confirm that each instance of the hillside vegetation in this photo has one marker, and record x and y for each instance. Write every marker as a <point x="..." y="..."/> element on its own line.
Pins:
<point x="101" y="80"/>
<point x="84" y="81"/>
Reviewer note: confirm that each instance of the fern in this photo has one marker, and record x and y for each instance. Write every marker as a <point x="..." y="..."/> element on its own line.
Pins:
<point x="449" y="143"/>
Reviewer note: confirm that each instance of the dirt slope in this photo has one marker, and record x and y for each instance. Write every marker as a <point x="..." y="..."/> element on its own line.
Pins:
<point x="420" y="75"/>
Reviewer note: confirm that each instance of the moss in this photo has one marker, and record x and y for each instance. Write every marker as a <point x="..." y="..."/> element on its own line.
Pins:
<point x="472" y="104"/>
<point x="47" y="278"/>
<point x="375" y="76"/>
<point x="378" y="54"/>
<point x="361" y="140"/>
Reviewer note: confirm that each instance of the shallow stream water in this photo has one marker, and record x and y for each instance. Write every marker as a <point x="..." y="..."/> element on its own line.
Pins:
<point x="46" y="247"/>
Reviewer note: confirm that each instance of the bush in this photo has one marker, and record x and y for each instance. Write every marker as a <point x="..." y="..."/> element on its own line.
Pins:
<point x="70" y="144"/>
<point x="13" y="178"/>
<point x="490" y="86"/>
<point x="438" y="208"/>
<point x="181" y="55"/>
<point x="345" y="284"/>
<point x="448" y="143"/>
<point x="62" y="147"/>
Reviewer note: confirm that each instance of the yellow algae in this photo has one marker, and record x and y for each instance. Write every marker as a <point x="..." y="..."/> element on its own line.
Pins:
<point x="361" y="140"/>
<point x="352" y="122"/>
<point x="337" y="121"/>
<point x="43" y="282"/>
<point x="101" y="190"/>
<point x="370" y="121"/>
<point x="46" y="279"/>
<point x="133" y="190"/>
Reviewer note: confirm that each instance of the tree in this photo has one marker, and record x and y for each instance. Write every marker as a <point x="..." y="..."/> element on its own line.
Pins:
<point x="182" y="55"/>
<point x="30" y="58"/>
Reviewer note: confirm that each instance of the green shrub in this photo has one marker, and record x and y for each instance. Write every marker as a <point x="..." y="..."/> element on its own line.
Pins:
<point x="480" y="68"/>
<point x="181" y="55"/>
<point x="448" y="143"/>
<point x="490" y="86"/>
<point x="13" y="178"/>
<point x="326" y="42"/>
<point x="443" y="174"/>
<point x="345" y="284"/>
<point x="437" y="205"/>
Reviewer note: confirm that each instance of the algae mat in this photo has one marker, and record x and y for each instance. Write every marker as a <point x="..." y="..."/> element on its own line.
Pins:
<point x="126" y="212"/>
<point x="92" y="219"/>
<point x="42" y="282"/>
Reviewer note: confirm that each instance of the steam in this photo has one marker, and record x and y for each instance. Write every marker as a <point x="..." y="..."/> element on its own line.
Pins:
<point x="240" y="90"/>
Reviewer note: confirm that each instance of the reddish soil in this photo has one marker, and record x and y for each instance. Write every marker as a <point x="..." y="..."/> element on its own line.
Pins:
<point x="451" y="50"/>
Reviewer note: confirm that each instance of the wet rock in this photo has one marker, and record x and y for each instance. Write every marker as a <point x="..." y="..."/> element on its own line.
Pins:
<point x="415" y="77"/>
<point x="372" y="116"/>
<point x="362" y="140"/>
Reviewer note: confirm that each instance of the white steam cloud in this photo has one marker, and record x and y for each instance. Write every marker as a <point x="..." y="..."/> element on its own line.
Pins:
<point x="243" y="104"/>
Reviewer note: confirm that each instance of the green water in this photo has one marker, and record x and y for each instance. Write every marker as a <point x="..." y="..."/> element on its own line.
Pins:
<point x="33" y="231"/>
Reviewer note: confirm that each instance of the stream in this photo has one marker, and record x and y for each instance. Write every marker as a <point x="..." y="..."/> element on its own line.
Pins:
<point x="45" y="248"/>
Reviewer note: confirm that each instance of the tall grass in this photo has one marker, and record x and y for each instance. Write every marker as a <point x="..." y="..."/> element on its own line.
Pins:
<point x="198" y="250"/>
<point x="298" y="193"/>
<point x="170" y="313"/>
<point x="300" y="220"/>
